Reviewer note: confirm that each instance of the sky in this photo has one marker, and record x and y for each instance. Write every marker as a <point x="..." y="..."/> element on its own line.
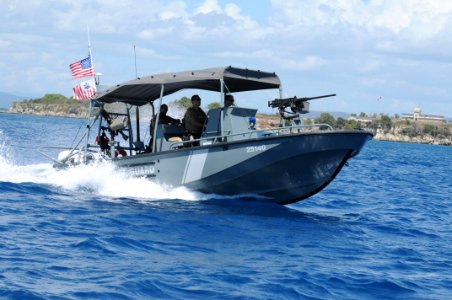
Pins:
<point x="378" y="56"/>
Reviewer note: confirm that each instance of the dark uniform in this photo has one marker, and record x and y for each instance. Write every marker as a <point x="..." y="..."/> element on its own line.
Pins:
<point x="194" y="120"/>
<point x="163" y="119"/>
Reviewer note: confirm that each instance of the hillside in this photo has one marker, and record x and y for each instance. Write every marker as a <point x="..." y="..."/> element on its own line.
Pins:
<point x="51" y="105"/>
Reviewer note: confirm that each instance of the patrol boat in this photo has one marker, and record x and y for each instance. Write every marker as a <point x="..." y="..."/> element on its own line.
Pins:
<point x="281" y="165"/>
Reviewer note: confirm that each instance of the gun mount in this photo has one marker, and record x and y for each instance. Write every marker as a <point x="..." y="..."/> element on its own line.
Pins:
<point x="297" y="105"/>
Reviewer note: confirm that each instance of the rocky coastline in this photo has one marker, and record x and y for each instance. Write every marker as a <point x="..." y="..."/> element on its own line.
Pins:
<point x="418" y="139"/>
<point x="49" y="109"/>
<point x="394" y="134"/>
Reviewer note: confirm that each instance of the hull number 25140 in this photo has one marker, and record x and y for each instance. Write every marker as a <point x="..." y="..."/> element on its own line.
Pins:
<point x="252" y="149"/>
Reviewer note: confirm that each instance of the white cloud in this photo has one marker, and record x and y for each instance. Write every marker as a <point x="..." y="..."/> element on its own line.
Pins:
<point x="209" y="6"/>
<point x="371" y="65"/>
<point x="309" y="62"/>
<point x="245" y="23"/>
<point x="233" y="10"/>
<point x="234" y="54"/>
<point x="5" y="44"/>
<point x="110" y="17"/>
<point x="174" y="10"/>
<point x="415" y="19"/>
<point x="301" y="63"/>
<point x="146" y="53"/>
<point x="156" y="32"/>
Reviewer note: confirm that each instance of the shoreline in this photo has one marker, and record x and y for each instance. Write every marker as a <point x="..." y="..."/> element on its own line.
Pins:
<point x="44" y="115"/>
<point x="412" y="142"/>
<point x="418" y="139"/>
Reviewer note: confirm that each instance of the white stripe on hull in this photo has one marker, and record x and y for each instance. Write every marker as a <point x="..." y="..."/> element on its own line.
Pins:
<point x="194" y="166"/>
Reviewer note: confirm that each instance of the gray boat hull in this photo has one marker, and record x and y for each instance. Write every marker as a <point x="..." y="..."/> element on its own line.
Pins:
<point x="279" y="169"/>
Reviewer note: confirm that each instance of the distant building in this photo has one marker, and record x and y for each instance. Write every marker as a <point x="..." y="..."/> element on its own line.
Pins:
<point x="362" y="120"/>
<point x="418" y="116"/>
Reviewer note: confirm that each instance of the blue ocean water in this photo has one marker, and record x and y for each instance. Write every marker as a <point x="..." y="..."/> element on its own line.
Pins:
<point x="381" y="230"/>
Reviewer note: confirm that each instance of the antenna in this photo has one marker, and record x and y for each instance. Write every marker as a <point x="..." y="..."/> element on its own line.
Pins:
<point x="89" y="49"/>
<point x="135" y="52"/>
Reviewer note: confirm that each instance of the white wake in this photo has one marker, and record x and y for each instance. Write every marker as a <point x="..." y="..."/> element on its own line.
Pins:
<point x="100" y="179"/>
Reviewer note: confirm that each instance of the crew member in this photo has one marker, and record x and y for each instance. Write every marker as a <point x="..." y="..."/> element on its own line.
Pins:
<point x="194" y="118"/>
<point x="163" y="119"/>
<point x="228" y="100"/>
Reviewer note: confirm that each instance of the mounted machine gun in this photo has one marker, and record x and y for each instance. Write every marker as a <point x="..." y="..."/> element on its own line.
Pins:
<point x="297" y="105"/>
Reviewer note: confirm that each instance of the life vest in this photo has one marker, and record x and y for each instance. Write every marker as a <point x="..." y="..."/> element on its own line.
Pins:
<point x="120" y="151"/>
<point x="103" y="141"/>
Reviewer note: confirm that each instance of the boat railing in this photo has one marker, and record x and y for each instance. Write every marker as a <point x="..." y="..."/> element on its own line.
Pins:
<point x="321" y="126"/>
<point x="72" y="152"/>
<point x="210" y="139"/>
<point x="295" y="129"/>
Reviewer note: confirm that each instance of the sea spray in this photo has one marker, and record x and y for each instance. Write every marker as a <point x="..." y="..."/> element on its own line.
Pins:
<point x="5" y="154"/>
<point x="101" y="178"/>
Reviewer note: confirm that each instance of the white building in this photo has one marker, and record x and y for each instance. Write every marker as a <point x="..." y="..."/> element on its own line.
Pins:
<point x="418" y="116"/>
<point x="362" y="120"/>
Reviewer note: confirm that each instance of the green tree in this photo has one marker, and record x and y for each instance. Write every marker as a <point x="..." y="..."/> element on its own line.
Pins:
<point x="386" y="122"/>
<point x="326" y="118"/>
<point x="351" y="124"/>
<point x="183" y="102"/>
<point x="51" y="99"/>
<point x="430" y="129"/>
<point x="340" y="122"/>
<point x="214" y="105"/>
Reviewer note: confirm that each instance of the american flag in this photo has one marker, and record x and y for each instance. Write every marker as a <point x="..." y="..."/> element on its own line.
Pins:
<point x="84" y="90"/>
<point x="82" y="68"/>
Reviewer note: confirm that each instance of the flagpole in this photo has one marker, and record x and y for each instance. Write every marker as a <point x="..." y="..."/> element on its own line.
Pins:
<point x="89" y="51"/>
<point x="136" y="70"/>
<point x="88" y="126"/>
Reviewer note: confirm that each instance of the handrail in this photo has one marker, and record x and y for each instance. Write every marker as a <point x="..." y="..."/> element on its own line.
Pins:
<point x="313" y="125"/>
<point x="280" y="130"/>
<point x="74" y="151"/>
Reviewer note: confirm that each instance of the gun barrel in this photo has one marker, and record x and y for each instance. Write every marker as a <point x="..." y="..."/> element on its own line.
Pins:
<point x="293" y="101"/>
<point x="318" y="97"/>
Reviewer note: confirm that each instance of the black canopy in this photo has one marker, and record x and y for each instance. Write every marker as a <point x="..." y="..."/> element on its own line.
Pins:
<point x="147" y="89"/>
